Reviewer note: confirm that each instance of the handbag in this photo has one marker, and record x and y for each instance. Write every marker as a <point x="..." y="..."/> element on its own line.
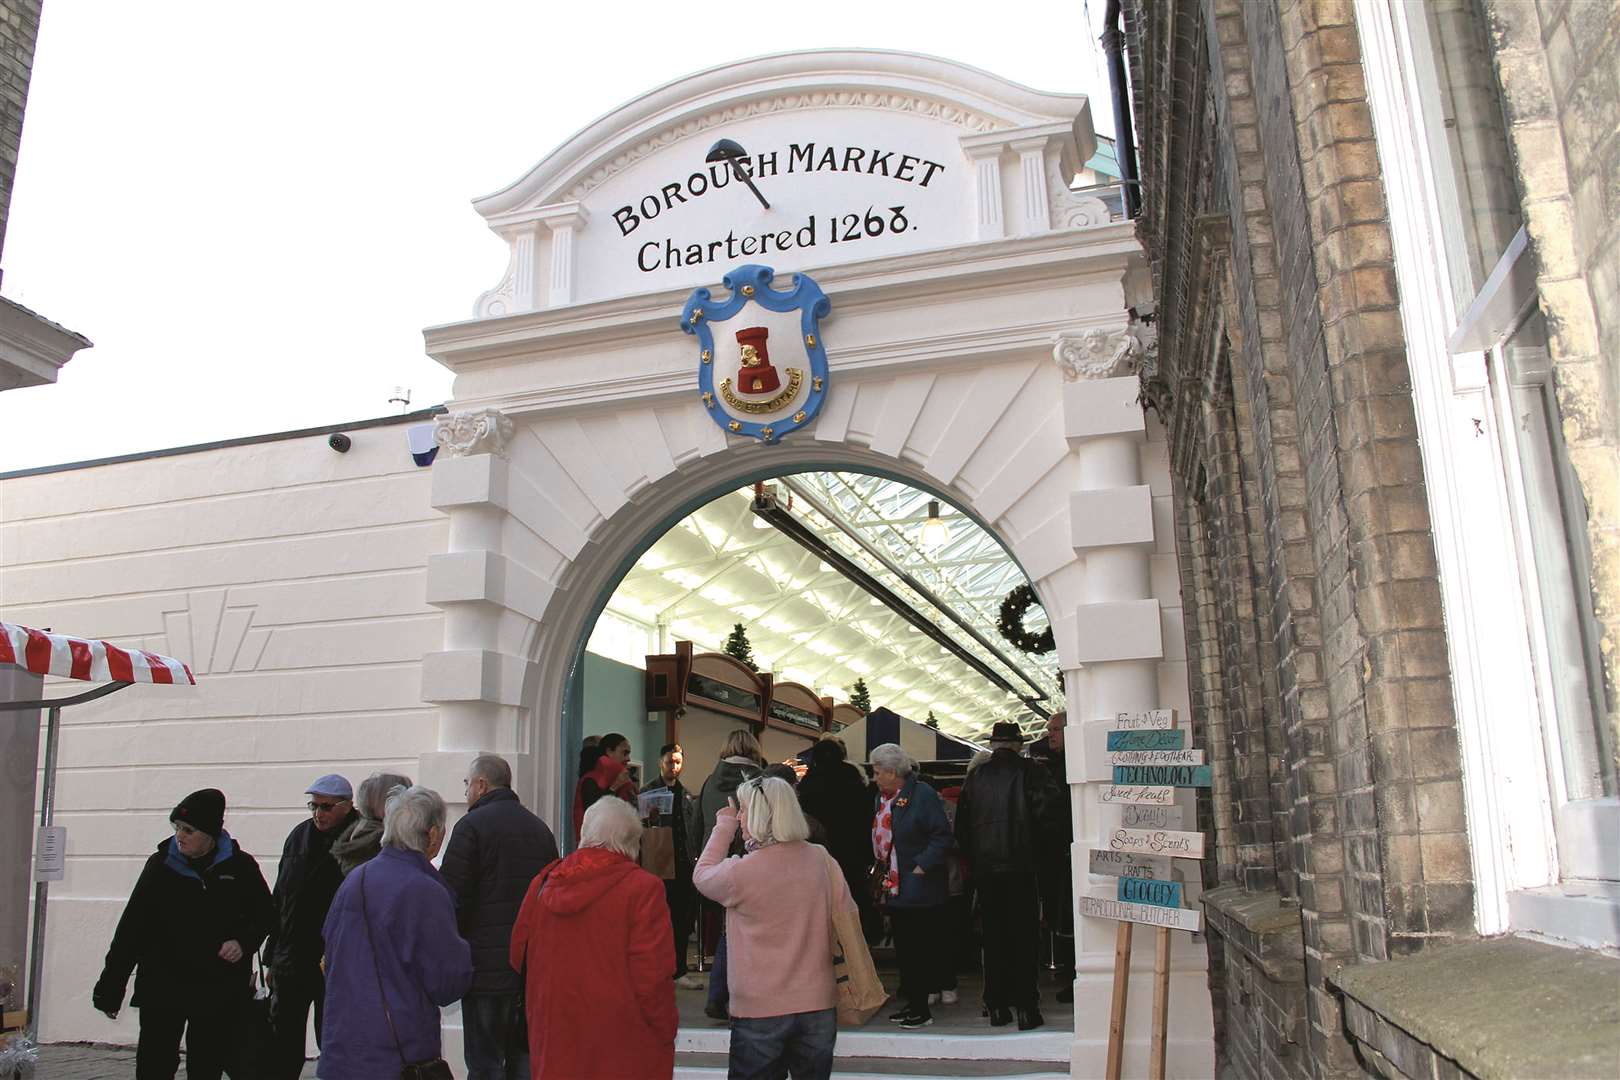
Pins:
<point x="860" y="991"/>
<point x="437" y="1068"/>
<point x="877" y="882"/>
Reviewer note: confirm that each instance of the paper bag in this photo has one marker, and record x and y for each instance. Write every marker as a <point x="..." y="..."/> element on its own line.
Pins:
<point x="658" y="851"/>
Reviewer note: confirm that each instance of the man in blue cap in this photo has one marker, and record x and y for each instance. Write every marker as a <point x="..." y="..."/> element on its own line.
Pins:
<point x="305" y="884"/>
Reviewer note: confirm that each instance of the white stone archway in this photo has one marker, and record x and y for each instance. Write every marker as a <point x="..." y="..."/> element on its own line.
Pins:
<point x="991" y="366"/>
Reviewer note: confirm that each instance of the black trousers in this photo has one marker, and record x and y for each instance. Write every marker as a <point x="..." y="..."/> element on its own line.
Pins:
<point x="1009" y="905"/>
<point x="1057" y="903"/>
<point x="294" y="994"/>
<point x="682" y="899"/>
<point x="923" y="953"/>
<point x="211" y="1042"/>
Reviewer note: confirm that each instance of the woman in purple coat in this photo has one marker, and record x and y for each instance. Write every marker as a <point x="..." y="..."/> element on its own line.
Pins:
<point x="392" y="923"/>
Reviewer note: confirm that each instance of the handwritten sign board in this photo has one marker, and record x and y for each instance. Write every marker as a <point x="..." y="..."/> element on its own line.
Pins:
<point x="50" y="857"/>
<point x="1132" y="816"/>
<point x="1151" y="720"/>
<point x="1156" y="757"/>
<point x="1162" y="795"/>
<point x="1180" y="845"/>
<point x="1174" y="739"/>
<point x="1176" y="775"/>
<point x="1176" y="918"/>
<point x="1134" y="890"/>
<point x="1122" y="864"/>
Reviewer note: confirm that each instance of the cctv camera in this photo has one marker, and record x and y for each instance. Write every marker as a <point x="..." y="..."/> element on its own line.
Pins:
<point x="339" y="442"/>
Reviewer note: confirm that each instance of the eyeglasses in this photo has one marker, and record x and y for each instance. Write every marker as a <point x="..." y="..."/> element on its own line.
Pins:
<point x="182" y="829"/>
<point x="326" y="807"/>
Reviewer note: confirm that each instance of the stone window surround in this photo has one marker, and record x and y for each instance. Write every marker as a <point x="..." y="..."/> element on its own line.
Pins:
<point x="1514" y="823"/>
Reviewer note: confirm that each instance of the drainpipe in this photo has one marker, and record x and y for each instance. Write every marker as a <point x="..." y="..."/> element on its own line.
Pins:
<point x="1113" y="43"/>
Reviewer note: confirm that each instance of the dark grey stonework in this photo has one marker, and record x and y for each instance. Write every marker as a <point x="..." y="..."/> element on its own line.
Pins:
<point x="1317" y="656"/>
<point x="19" y="29"/>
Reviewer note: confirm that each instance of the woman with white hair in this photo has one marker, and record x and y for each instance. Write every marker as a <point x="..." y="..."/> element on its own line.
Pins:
<point x="393" y="956"/>
<point x="361" y="839"/>
<point x="779" y="903"/>
<point x="593" y="940"/>
<point x="912" y="834"/>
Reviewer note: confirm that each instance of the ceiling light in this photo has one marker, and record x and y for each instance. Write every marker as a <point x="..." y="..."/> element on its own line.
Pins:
<point x="935" y="533"/>
<point x="825" y="569"/>
<point x="876" y="601"/>
<point x="760" y="522"/>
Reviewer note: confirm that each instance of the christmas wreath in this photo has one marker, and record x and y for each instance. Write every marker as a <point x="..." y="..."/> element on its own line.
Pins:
<point x="1013" y="607"/>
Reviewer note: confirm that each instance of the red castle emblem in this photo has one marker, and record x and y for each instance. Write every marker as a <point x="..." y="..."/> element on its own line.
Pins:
<point x="755" y="374"/>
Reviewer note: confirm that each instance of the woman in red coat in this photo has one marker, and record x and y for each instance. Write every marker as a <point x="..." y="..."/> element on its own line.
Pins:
<point x="594" y="942"/>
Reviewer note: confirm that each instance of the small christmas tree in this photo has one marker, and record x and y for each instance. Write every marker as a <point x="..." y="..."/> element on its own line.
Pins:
<point x="932" y="721"/>
<point x="860" y="697"/>
<point x="737" y="646"/>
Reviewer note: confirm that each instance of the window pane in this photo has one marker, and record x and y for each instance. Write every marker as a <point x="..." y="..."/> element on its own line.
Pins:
<point x="1555" y="517"/>
<point x="1486" y="212"/>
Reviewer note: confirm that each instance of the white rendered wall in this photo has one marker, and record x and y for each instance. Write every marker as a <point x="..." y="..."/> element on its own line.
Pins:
<point x="290" y="578"/>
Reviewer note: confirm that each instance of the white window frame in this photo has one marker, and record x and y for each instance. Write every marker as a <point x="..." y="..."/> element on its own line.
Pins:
<point x="1515" y="821"/>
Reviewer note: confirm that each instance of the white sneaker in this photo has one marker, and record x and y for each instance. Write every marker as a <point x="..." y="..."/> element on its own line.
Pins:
<point x="690" y="981"/>
<point x="948" y="997"/>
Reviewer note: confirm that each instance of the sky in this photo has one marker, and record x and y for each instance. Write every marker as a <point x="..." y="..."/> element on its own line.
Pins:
<point x="254" y="209"/>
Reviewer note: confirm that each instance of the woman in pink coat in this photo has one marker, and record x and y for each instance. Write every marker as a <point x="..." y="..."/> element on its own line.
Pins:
<point x="779" y="900"/>
<point x="593" y="941"/>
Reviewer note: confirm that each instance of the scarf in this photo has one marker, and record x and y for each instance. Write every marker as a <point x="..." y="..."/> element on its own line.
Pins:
<point x="359" y="844"/>
<point x="883" y="843"/>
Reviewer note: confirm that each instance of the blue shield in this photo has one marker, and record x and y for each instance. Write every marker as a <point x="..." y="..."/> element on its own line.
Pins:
<point x="754" y="400"/>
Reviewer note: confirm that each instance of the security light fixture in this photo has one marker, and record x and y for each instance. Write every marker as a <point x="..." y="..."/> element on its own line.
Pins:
<point x="735" y="157"/>
<point x="935" y="533"/>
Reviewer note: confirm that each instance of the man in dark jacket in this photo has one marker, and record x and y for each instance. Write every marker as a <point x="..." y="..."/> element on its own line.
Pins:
<point x="1055" y="872"/>
<point x="194" y="920"/>
<point x="1004" y="822"/>
<point x="496" y="850"/>
<point x="837" y="794"/>
<point x="306" y="881"/>
<point x="685" y="823"/>
<point x="740" y="759"/>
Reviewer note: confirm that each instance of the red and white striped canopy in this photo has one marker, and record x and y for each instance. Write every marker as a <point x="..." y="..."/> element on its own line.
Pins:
<point x="86" y="659"/>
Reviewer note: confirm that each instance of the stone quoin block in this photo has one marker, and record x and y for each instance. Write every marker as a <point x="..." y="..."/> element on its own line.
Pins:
<point x="1098" y="407"/>
<point x="473" y="675"/>
<point x="1108" y="517"/>
<point x="1119" y="630"/>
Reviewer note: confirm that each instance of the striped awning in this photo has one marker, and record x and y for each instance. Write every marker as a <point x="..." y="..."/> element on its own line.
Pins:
<point x="86" y="659"/>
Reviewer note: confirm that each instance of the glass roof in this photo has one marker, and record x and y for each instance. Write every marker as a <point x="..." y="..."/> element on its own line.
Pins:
<point x="810" y="623"/>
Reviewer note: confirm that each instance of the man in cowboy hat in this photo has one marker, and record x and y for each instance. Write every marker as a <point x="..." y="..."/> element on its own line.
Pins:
<point x="1005" y="820"/>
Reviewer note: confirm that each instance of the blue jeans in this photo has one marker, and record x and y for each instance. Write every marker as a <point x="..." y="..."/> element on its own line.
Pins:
<point x="799" y="1045"/>
<point x="719" y="991"/>
<point x="496" y="1037"/>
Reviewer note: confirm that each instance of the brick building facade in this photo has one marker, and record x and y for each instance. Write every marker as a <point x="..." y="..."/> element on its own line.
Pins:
<point x="1322" y="474"/>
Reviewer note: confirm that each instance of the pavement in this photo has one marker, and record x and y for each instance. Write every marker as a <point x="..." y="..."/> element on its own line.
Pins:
<point x="98" y="1061"/>
<point x="932" y="1051"/>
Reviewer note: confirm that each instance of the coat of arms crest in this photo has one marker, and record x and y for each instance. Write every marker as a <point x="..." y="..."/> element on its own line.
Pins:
<point x="744" y="389"/>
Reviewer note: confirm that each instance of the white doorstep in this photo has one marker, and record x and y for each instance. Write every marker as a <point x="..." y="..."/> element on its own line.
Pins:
<point x="1044" y="1046"/>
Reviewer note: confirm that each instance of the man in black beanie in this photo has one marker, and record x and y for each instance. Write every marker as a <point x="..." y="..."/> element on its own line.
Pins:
<point x="196" y="916"/>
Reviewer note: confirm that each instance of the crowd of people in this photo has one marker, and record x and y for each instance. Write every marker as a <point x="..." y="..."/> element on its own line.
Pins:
<point x="362" y="929"/>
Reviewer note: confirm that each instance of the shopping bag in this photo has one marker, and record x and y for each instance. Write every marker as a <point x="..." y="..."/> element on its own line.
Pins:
<point x="658" y="851"/>
<point x="255" y="1042"/>
<point x="860" y="991"/>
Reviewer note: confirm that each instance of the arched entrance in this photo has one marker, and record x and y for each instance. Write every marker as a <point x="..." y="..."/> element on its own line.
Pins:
<point x="813" y="625"/>
<point x="986" y="360"/>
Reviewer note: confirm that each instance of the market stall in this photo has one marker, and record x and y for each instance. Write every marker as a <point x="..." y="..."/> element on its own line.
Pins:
<point x="82" y="660"/>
